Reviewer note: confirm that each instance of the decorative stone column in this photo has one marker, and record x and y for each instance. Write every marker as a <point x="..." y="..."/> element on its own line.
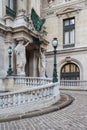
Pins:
<point x="2" y="8"/>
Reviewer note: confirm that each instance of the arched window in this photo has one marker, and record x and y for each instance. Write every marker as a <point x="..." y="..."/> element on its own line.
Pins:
<point x="70" y="71"/>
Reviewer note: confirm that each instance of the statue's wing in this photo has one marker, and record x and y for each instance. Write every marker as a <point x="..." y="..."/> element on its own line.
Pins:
<point x="37" y="22"/>
<point x="34" y="17"/>
<point x="40" y="24"/>
<point x="42" y="21"/>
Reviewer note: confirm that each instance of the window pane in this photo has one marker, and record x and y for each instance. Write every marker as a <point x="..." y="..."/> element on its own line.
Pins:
<point x="63" y="70"/>
<point x="73" y="68"/>
<point x="11" y="4"/>
<point x="7" y="3"/>
<point x="72" y="37"/>
<point x="66" y="22"/>
<point x="77" y="69"/>
<point x="66" y="37"/>
<point x="67" y="68"/>
<point x="72" y="21"/>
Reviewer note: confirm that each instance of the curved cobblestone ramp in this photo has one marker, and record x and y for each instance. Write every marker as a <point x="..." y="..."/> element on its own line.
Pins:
<point x="73" y="117"/>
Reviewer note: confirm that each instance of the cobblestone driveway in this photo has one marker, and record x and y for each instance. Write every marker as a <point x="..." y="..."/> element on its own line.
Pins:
<point x="73" y="117"/>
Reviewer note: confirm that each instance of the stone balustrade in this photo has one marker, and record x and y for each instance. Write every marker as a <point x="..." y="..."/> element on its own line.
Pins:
<point x="41" y="93"/>
<point x="31" y="81"/>
<point x="73" y="84"/>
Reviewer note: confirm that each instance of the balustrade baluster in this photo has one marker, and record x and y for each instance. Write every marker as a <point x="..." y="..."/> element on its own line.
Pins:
<point x="10" y="101"/>
<point x="29" y="96"/>
<point x="6" y="101"/>
<point x="39" y="94"/>
<point x="43" y="92"/>
<point x="50" y="91"/>
<point x="1" y="102"/>
<point x="37" y="82"/>
<point x="14" y="99"/>
<point x="28" y="82"/>
<point x="47" y="92"/>
<point x="34" y="82"/>
<point x="32" y="96"/>
<point x="26" y="97"/>
<point x="36" y="97"/>
<point x="23" y="98"/>
<point x="19" y="98"/>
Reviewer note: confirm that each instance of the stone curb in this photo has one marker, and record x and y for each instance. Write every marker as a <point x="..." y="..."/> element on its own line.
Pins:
<point x="65" y="100"/>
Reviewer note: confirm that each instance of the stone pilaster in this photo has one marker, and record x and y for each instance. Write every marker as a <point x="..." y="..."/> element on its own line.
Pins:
<point x="2" y="8"/>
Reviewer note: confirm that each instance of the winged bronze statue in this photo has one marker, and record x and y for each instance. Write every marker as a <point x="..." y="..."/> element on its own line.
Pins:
<point x="37" y="21"/>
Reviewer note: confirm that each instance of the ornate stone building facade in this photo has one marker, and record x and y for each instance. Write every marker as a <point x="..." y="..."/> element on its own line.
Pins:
<point x="17" y="30"/>
<point x="66" y="20"/>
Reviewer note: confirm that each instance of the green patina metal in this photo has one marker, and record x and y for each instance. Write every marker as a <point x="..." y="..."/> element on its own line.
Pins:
<point x="37" y="21"/>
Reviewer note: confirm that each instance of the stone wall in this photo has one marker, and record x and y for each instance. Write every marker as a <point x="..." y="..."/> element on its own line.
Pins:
<point x="55" y="14"/>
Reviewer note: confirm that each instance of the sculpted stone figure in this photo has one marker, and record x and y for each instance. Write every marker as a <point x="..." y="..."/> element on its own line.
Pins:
<point x="42" y="63"/>
<point x="20" y="57"/>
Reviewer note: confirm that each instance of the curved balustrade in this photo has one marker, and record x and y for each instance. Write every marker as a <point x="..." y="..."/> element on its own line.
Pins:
<point x="31" y="81"/>
<point x="43" y="93"/>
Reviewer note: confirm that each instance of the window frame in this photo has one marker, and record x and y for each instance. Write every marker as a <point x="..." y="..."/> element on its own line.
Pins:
<point x="68" y="28"/>
<point x="9" y="9"/>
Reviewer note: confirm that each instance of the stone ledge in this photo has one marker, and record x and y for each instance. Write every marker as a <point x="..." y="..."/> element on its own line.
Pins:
<point x="64" y="101"/>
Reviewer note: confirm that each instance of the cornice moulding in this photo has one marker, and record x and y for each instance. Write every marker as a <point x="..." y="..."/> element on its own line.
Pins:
<point x="73" y="50"/>
<point x="56" y="8"/>
<point x="68" y="10"/>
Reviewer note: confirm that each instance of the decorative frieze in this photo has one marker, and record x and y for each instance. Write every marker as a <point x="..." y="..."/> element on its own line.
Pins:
<point x="68" y="11"/>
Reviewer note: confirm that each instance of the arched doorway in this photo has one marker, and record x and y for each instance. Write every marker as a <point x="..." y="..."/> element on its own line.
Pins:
<point x="70" y="71"/>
